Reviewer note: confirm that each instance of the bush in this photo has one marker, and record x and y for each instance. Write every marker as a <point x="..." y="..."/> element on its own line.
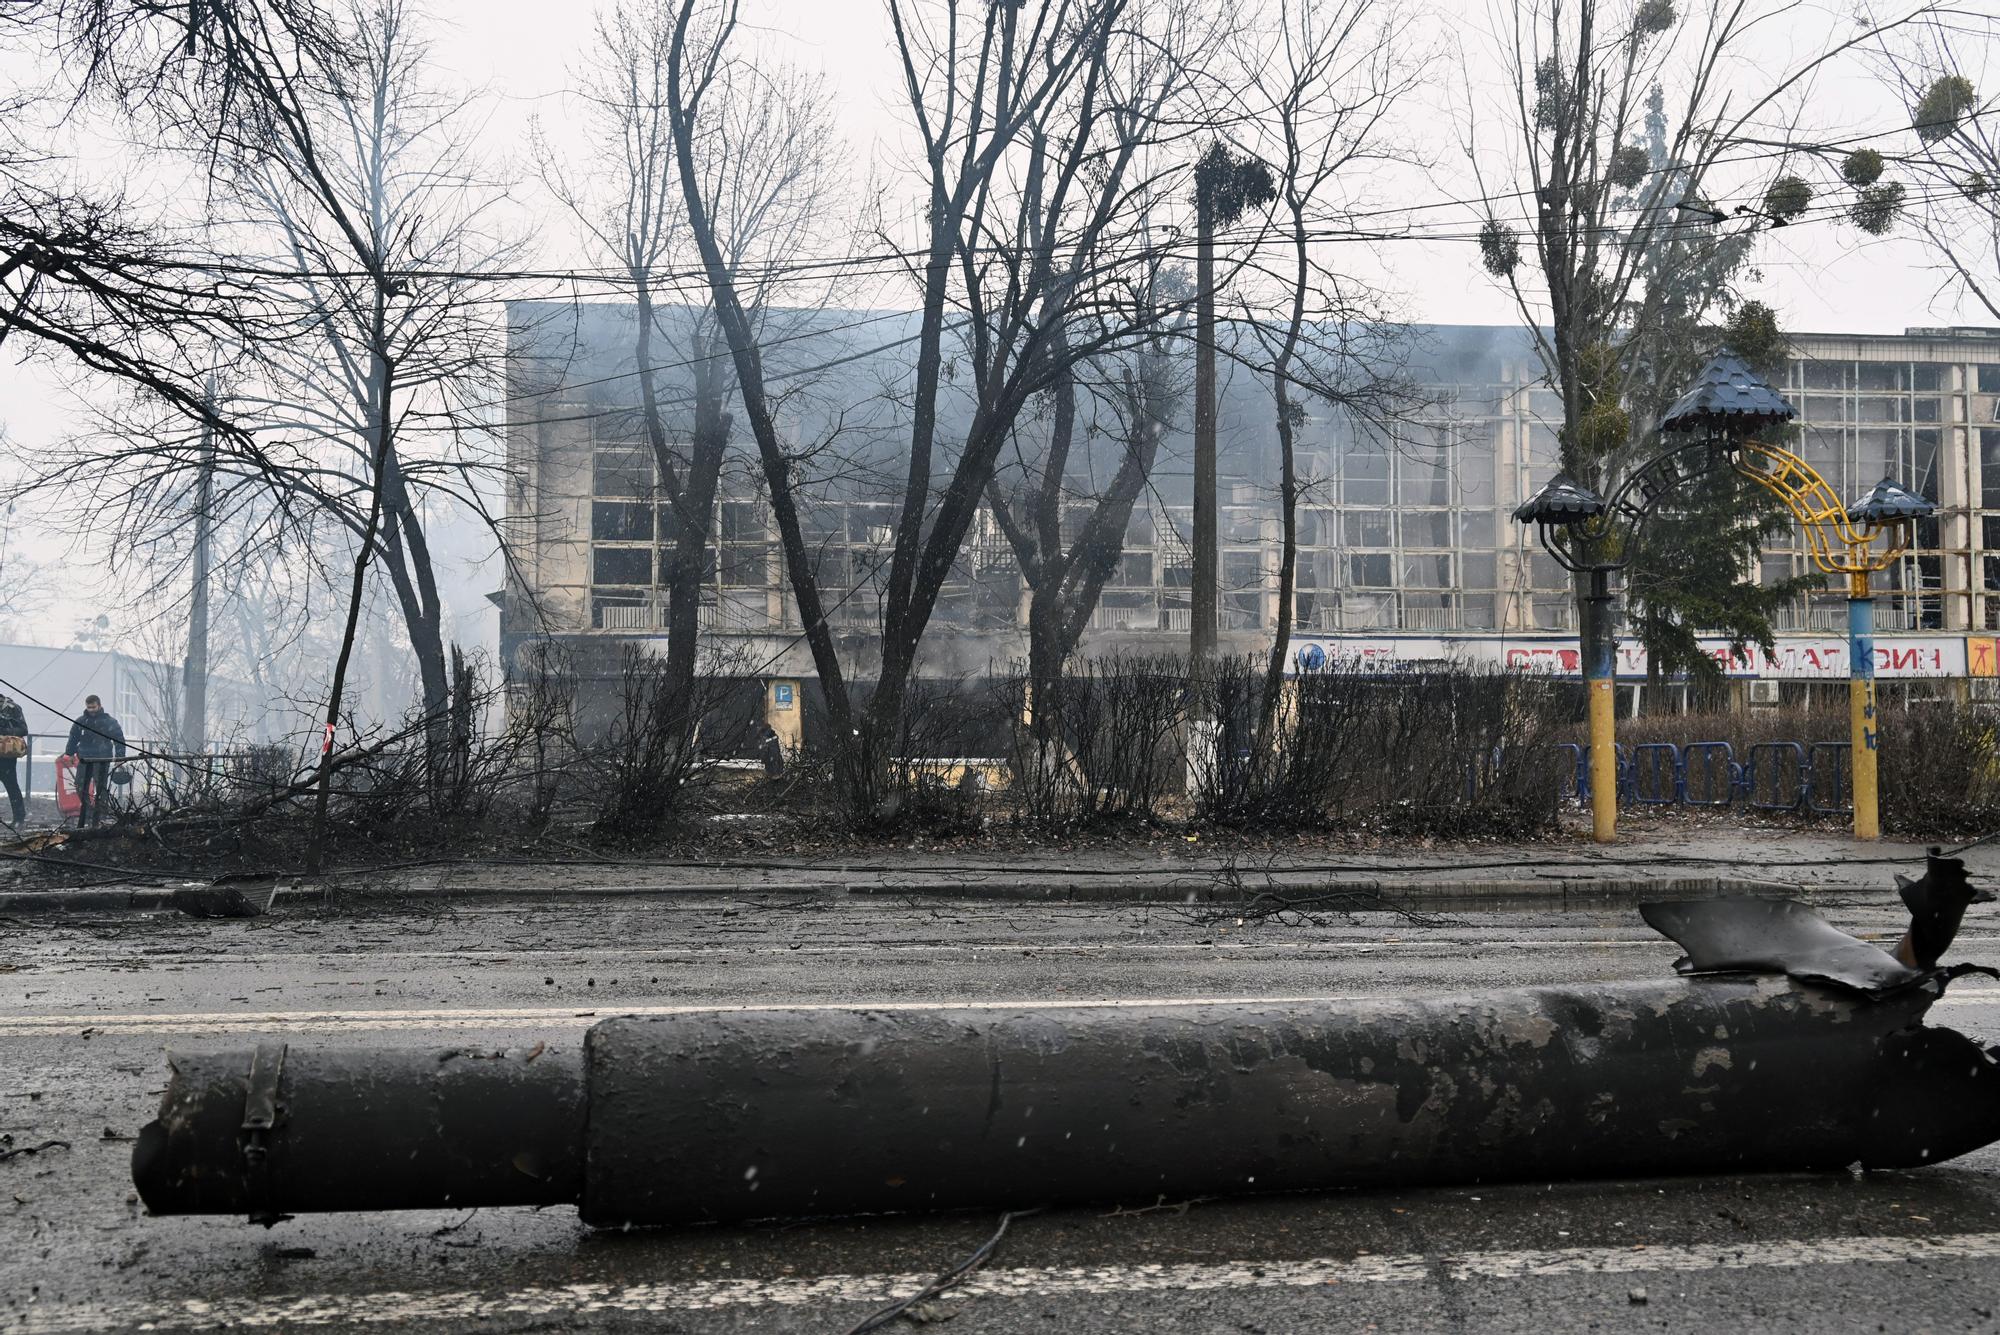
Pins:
<point x="1106" y="748"/>
<point x="1939" y="769"/>
<point x="1938" y="761"/>
<point x="1428" y="753"/>
<point x="665" y="737"/>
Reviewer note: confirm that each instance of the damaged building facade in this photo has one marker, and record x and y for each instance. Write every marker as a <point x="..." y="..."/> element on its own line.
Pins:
<point x="1407" y="555"/>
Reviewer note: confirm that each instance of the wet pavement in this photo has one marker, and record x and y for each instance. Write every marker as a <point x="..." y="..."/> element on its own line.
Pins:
<point x="88" y="1005"/>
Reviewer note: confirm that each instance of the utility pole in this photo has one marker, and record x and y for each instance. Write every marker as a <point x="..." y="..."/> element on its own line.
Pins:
<point x="194" y="667"/>
<point x="1224" y="187"/>
<point x="1201" y="616"/>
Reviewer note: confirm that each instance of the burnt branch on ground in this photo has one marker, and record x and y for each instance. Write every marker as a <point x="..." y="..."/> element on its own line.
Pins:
<point x="1234" y="903"/>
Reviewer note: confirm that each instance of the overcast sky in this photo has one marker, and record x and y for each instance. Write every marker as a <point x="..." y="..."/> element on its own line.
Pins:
<point x="517" y="58"/>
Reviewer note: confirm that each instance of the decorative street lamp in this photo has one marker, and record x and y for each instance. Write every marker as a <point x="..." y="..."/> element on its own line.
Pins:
<point x="1597" y="536"/>
<point x="1563" y="512"/>
<point x="1840" y="537"/>
<point x="1713" y="424"/>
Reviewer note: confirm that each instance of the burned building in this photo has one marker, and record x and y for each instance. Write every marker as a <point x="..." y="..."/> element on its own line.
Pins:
<point x="1407" y="548"/>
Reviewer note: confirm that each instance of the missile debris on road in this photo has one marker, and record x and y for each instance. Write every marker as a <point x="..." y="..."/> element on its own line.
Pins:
<point x="1806" y="1050"/>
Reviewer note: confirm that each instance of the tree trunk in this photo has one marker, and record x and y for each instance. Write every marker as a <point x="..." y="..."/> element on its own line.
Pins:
<point x="749" y="369"/>
<point x="383" y="375"/>
<point x="1047" y="656"/>
<point x="407" y="556"/>
<point x="695" y="521"/>
<point x="1288" y="564"/>
<point x="1288" y="481"/>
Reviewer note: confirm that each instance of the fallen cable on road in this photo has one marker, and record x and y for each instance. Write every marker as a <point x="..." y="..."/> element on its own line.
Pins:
<point x="878" y="1319"/>
<point x="1785" y="1046"/>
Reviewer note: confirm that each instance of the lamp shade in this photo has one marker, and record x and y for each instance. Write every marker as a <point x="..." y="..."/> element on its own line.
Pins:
<point x="1889" y="501"/>
<point x="1560" y="501"/>
<point x="1728" y="398"/>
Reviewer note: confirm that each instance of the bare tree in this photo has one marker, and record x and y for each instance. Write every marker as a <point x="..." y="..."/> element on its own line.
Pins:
<point x="1065" y="524"/>
<point x="1033" y="124"/>
<point x="1320" y="90"/>
<point x="762" y="151"/>
<point x="1937" y="70"/>
<point x="380" y="216"/>
<point x="1625" y="118"/>
<point x="88" y="275"/>
<point x="191" y="733"/>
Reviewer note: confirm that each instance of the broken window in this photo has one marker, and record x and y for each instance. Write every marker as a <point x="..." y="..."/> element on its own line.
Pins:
<point x="1369" y="528"/>
<point x="1427" y="528"/>
<point x="743" y="521"/>
<point x="1989" y="469"/>
<point x="621" y="473"/>
<point x="621" y="565"/>
<point x="1423" y="483"/>
<point x="1368" y="570"/>
<point x="1134" y="571"/>
<point x="621" y="521"/>
<point x="1427" y="572"/>
<point x="1365" y="479"/>
<point x="1882" y="375"/>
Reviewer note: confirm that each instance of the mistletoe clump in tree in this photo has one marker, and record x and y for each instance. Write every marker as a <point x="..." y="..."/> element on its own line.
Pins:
<point x="1622" y="276"/>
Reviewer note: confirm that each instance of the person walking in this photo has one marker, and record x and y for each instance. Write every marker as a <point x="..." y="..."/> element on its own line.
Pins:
<point x="13" y="745"/>
<point x="95" y="740"/>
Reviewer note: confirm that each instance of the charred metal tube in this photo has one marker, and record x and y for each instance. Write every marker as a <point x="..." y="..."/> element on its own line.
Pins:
<point x="737" y="1115"/>
<point x="280" y="1130"/>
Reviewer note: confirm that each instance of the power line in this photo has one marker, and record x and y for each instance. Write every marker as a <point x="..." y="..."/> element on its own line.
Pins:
<point x="1334" y="229"/>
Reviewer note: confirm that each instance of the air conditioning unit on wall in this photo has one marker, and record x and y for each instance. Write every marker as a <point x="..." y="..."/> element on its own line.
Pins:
<point x="1764" y="692"/>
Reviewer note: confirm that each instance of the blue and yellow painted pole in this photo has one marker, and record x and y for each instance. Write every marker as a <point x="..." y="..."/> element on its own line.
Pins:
<point x="1861" y="706"/>
<point x="1601" y="687"/>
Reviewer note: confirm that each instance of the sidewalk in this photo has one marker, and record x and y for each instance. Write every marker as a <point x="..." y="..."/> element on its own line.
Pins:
<point x="1679" y="864"/>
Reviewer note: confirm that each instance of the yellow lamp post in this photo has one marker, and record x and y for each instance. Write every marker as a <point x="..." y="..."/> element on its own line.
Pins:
<point x="1569" y="519"/>
<point x="1843" y="541"/>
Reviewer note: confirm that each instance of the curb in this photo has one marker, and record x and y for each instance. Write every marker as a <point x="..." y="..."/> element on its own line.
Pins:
<point x="233" y="901"/>
<point x="1204" y="891"/>
<point x="200" y="901"/>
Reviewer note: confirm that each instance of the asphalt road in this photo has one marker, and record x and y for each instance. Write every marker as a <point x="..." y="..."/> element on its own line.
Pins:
<point x="87" y="1008"/>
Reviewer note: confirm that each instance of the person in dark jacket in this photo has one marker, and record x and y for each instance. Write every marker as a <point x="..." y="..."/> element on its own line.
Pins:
<point x="95" y="740"/>
<point x="13" y="745"/>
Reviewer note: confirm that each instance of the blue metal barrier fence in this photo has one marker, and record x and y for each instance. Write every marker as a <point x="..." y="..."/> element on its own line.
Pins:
<point x="1774" y="776"/>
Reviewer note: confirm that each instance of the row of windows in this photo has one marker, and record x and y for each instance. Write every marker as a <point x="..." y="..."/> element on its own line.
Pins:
<point x="1890" y="377"/>
<point x="732" y="567"/>
<point x="1851" y="459"/>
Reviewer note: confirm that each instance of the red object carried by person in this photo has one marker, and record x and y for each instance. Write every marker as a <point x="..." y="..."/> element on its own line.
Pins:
<point x="68" y="801"/>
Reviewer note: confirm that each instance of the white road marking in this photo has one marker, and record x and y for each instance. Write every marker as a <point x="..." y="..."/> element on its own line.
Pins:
<point x="574" y="1017"/>
<point x="539" y="956"/>
<point x="532" y="1017"/>
<point x="571" y="1300"/>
